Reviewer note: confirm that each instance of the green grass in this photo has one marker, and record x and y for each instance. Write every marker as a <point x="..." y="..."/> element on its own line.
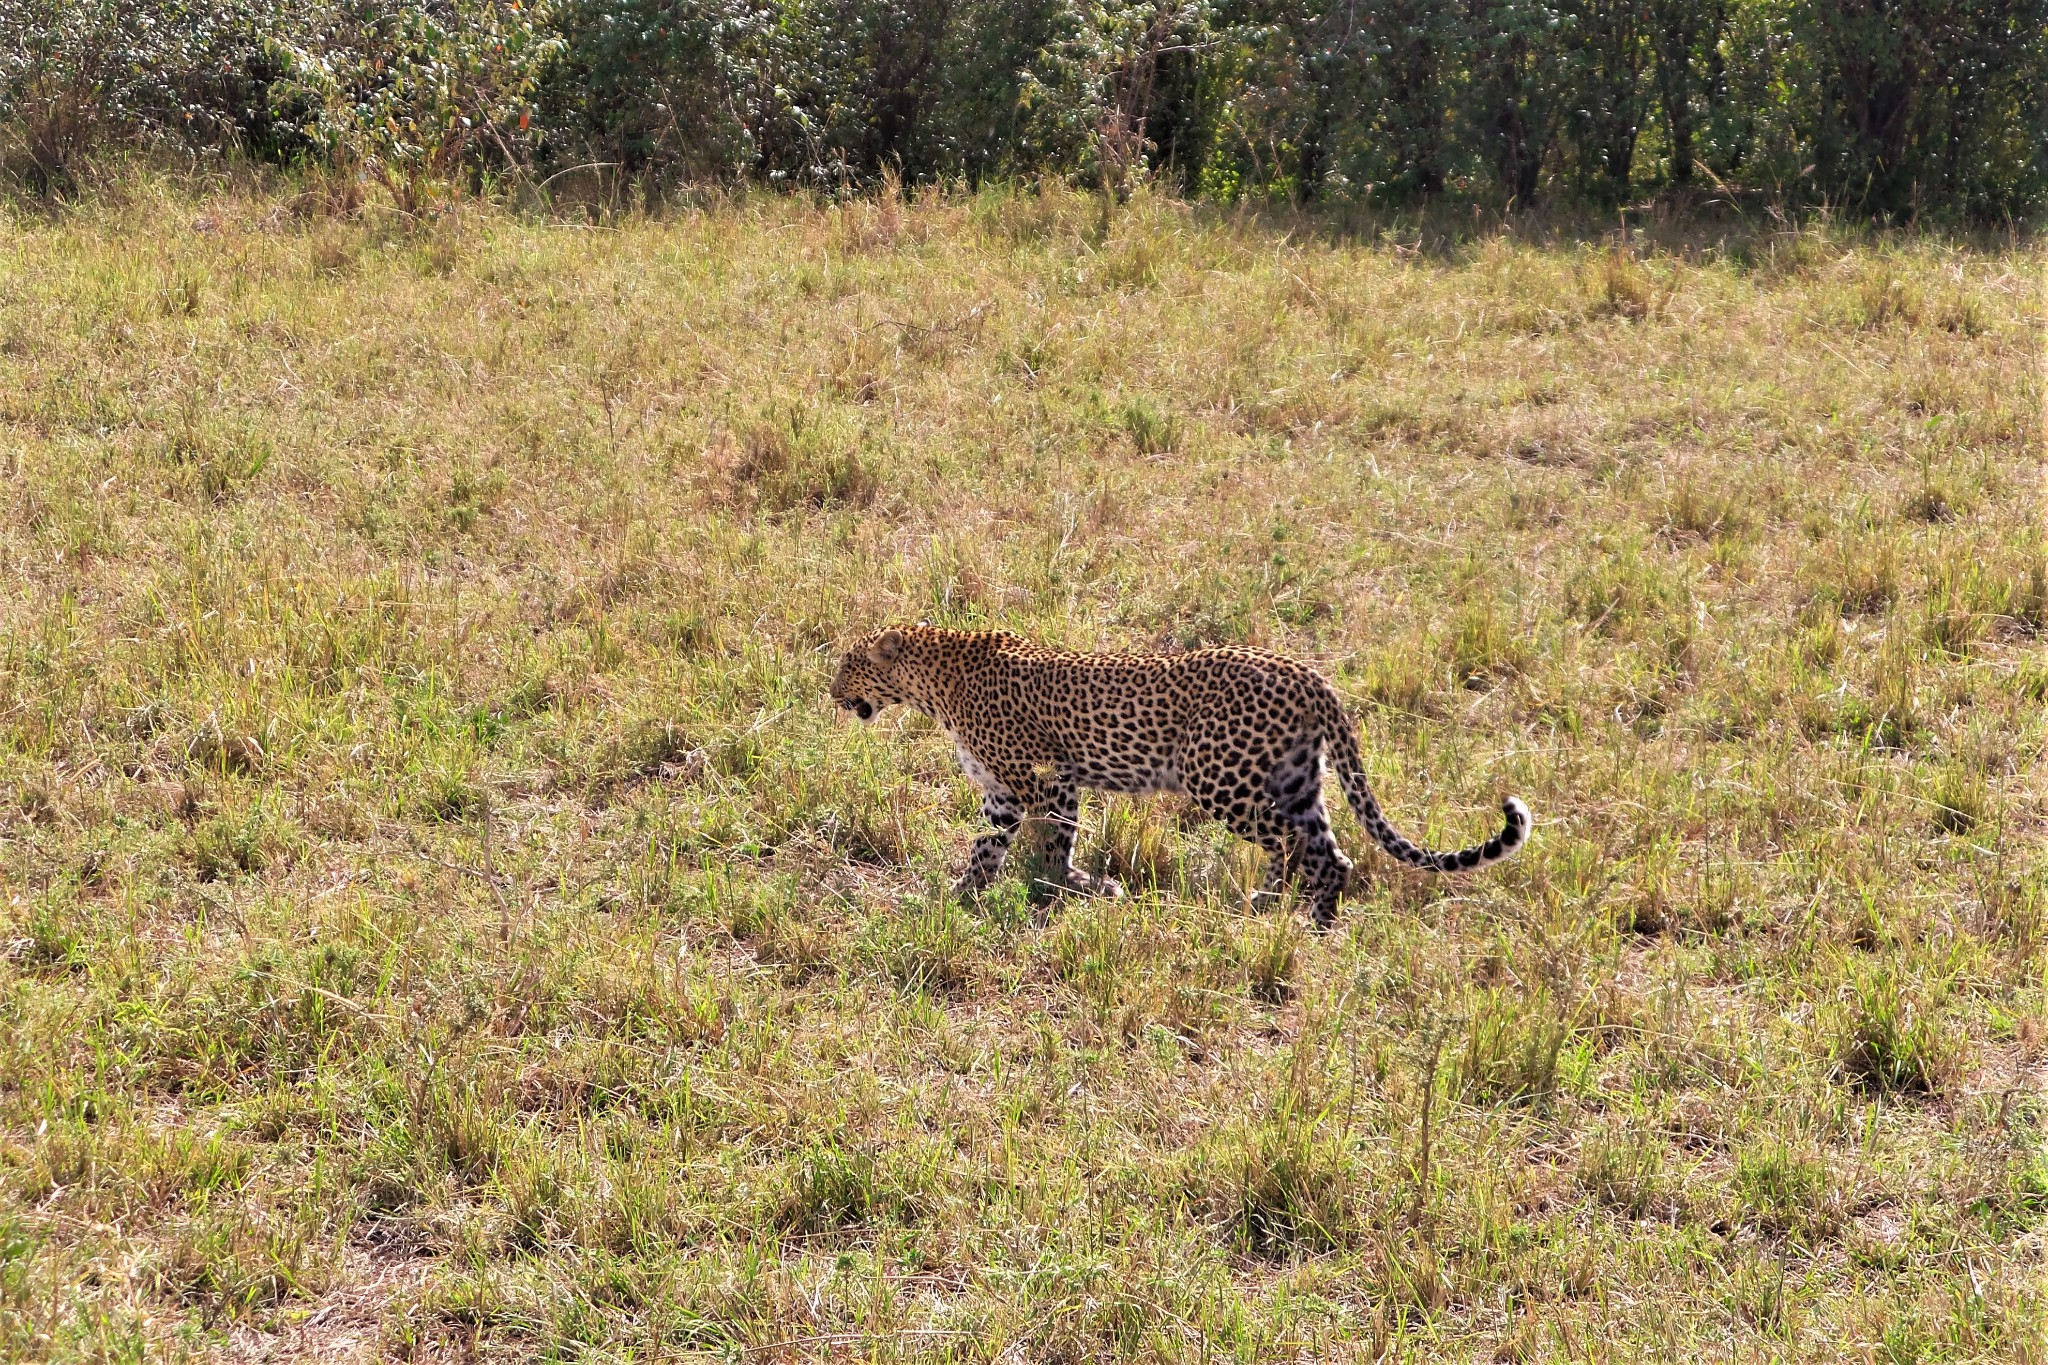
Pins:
<point x="443" y="916"/>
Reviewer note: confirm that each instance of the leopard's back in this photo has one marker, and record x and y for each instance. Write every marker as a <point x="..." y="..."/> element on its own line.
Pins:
<point x="1129" y="722"/>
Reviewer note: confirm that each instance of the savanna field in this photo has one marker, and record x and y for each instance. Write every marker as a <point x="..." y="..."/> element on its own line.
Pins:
<point x="444" y="918"/>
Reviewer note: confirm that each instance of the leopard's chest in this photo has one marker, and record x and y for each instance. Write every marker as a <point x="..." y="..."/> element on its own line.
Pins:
<point x="977" y="771"/>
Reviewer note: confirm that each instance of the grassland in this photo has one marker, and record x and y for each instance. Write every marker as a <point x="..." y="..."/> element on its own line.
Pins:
<point x="443" y="919"/>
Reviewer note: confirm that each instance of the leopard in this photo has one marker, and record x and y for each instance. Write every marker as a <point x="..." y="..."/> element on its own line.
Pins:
<point x="1245" y="734"/>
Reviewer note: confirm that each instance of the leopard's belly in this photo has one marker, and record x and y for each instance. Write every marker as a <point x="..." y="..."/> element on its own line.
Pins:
<point x="1138" y="775"/>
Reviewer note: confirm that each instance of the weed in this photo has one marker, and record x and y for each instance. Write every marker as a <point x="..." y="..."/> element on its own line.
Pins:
<point x="450" y="797"/>
<point x="1278" y="1188"/>
<point x="2026" y="597"/>
<point x="1484" y="647"/>
<point x="1885" y="1041"/>
<point x="1400" y="680"/>
<point x="216" y="464"/>
<point x="1092" y="952"/>
<point x="1931" y="502"/>
<point x="1140" y="847"/>
<point x="1961" y="313"/>
<point x="243" y="1259"/>
<point x="471" y="495"/>
<point x="1621" y="286"/>
<point x="1511" y="1049"/>
<point x="1786" y="1190"/>
<point x="1151" y="431"/>
<point x="802" y="459"/>
<point x="1960" y="801"/>
<point x="1882" y="298"/>
<point x="839" y="1182"/>
<point x="930" y="947"/>
<point x="1625" y="1169"/>
<point x="1271" y="961"/>
<point x="1623" y="586"/>
<point x="227" y="846"/>
<point x="53" y="941"/>
<point x="1865" y="576"/>
<point x="1706" y="511"/>
<point x="225" y="751"/>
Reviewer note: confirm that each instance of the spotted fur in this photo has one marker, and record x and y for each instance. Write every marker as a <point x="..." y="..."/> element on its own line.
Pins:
<point x="1244" y="733"/>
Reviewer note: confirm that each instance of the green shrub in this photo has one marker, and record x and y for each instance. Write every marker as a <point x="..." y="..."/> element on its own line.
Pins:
<point x="1509" y="102"/>
<point x="1511" y="1049"/>
<point x="415" y="96"/>
<point x="841" y="1181"/>
<point x="82" y="78"/>
<point x="1624" y="1168"/>
<point x="1278" y="1188"/>
<point x="1886" y="1043"/>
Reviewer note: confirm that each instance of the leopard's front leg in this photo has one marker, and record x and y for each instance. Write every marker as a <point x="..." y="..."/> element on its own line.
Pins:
<point x="1062" y="816"/>
<point x="1004" y="812"/>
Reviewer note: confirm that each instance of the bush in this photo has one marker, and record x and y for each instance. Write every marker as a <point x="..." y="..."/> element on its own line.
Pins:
<point x="1900" y="110"/>
<point x="1886" y="1043"/>
<point x="418" y="97"/>
<point x="1278" y="1188"/>
<point x="81" y="77"/>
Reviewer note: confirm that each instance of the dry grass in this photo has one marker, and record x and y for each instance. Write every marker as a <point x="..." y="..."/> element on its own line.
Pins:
<point x="443" y="919"/>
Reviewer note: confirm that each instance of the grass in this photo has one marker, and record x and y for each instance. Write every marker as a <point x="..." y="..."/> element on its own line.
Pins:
<point x="444" y="919"/>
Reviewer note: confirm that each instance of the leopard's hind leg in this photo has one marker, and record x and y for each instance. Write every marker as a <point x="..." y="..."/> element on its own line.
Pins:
<point x="1294" y="789"/>
<point x="1240" y="791"/>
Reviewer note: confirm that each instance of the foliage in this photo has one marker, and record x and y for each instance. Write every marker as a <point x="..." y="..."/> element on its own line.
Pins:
<point x="413" y="95"/>
<point x="76" y="75"/>
<point x="1891" y="108"/>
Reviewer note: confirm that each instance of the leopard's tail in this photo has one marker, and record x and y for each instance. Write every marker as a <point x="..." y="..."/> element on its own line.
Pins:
<point x="1341" y="744"/>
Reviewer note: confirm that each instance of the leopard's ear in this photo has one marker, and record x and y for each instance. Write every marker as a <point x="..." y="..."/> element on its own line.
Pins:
<point x="887" y="648"/>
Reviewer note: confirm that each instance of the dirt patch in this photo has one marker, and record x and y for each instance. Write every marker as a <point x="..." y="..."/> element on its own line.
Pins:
<point x="345" y="1324"/>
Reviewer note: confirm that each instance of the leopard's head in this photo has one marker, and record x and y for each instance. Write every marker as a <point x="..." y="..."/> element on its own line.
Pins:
<point x="871" y="675"/>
